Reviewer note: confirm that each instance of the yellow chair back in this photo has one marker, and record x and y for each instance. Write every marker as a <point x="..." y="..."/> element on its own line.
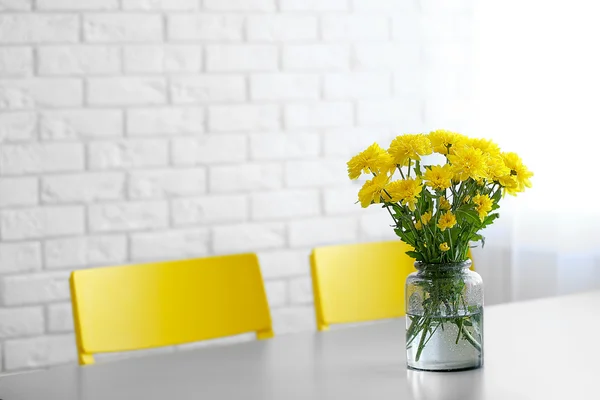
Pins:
<point x="167" y="303"/>
<point x="359" y="282"/>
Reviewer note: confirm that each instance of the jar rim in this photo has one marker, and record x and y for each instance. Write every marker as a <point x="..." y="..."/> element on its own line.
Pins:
<point x="456" y="266"/>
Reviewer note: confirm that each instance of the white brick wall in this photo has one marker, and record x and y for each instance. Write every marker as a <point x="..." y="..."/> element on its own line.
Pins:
<point x="139" y="130"/>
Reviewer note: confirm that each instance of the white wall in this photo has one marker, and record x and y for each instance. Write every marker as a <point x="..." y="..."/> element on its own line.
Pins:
<point x="136" y="130"/>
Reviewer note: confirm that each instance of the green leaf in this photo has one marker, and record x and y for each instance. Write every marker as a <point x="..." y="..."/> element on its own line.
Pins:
<point x="490" y="218"/>
<point x="496" y="196"/>
<point x="468" y="215"/>
<point x="416" y="255"/>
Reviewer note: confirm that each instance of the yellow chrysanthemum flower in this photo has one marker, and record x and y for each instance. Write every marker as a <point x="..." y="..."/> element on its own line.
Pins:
<point x="373" y="190"/>
<point x="519" y="177"/>
<point x="447" y="220"/>
<point x="439" y="178"/>
<point x="483" y="205"/>
<point x="486" y="146"/>
<point x="425" y="218"/>
<point x="405" y="147"/>
<point x="444" y="204"/>
<point x="468" y="162"/>
<point x="374" y="160"/>
<point x="444" y="247"/>
<point x="495" y="168"/>
<point x="444" y="142"/>
<point x="406" y="191"/>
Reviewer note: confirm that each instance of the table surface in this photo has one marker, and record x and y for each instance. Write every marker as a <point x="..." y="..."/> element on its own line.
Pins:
<point x="541" y="349"/>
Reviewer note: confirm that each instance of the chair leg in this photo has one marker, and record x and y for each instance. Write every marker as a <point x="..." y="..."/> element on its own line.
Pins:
<point x="322" y="326"/>
<point x="86" y="359"/>
<point x="265" y="334"/>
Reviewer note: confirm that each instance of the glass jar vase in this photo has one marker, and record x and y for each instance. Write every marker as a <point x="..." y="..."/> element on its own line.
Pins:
<point x="444" y="317"/>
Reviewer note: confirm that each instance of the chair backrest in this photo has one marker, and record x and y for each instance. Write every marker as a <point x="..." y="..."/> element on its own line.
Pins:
<point x="166" y="303"/>
<point x="359" y="282"/>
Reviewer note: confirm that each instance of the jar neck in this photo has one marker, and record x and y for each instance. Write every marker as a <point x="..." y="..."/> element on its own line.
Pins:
<point x="444" y="268"/>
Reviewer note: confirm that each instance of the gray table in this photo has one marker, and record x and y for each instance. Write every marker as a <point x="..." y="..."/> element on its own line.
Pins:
<point x="543" y="349"/>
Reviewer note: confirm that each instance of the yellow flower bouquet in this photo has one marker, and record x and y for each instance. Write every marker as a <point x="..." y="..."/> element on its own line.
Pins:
<point x="439" y="210"/>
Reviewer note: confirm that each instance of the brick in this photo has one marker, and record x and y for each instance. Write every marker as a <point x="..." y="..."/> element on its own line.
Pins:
<point x="246" y="177"/>
<point x="282" y="28"/>
<point x="441" y="6"/>
<point x="170" y="245"/>
<point x="18" y="192"/>
<point x="209" y="149"/>
<point x="170" y="5"/>
<point x="452" y="55"/>
<point x="341" y="200"/>
<point x="20" y="257"/>
<point x="209" y="209"/>
<point x="293" y="319"/>
<point x="376" y="226"/>
<point x="167" y="183"/>
<point x="207" y="88"/>
<point x="319" y="115"/>
<point x="125" y="27"/>
<point x="60" y="318"/>
<point x="80" y="124"/>
<point x="240" y="5"/>
<point x="16" y="60"/>
<point x="408" y="83"/>
<point x="165" y="121"/>
<point x="85" y="251"/>
<point x="39" y="93"/>
<point x="355" y="27"/>
<point x="248" y="237"/>
<point x="387" y="56"/>
<point x="241" y="58"/>
<point x="25" y="321"/>
<point x="118" y="217"/>
<point x="316" y="232"/>
<point x="206" y="27"/>
<point x="38" y="28"/>
<point x="31" y="289"/>
<point x="162" y="58"/>
<point x="357" y="86"/>
<point x="126" y="91"/>
<point x="301" y="291"/>
<point x="17" y="126"/>
<point x="286" y="204"/>
<point x="78" y="60"/>
<point x="15" y="5"/>
<point x="128" y="154"/>
<point x="87" y="187"/>
<point x="77" y="5"/>
<point x="314" y="5"/>
<point x="243" y="118"/>
<point x="386" y="5"/>
<point x="347" y="142"/>
<point x="282" y="146"/>
<point x="411" y="27"/>
<point x="25" y="223"/>
<point x="43" y="351"/>
<point x="284" y="263"/>
<point x="276" y="293"/>
<point x="284" y="87"/>
<point x="144" y="58"/>
<point x="36" y="158"/>
<point x="315" y="173"/>
<point x="402" y="112"/>
<point x="183" y="58"/>
<point x="316" y="57"/>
